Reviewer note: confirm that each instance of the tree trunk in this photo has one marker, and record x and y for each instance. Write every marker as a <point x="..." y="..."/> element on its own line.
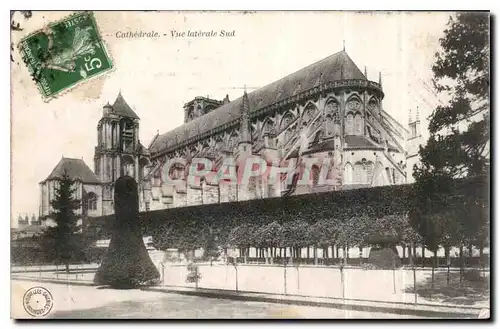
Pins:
<point x="423" y="256"/>
<point x="447" y="259"/>
<point x="404" y="253"/>
<point x="307" y="255"/>
<point x="481" y="256"/>
<point x="414" y="254"/>
<point x="67" y="267"/>
<point x="462" y="261"/>
<point x="434" y="265"/>
<point x="360" y="255"/>
<point x="471" y="260"/>
<point x="346" y="255"/>
<point x="315" y="255"/>
<point x="410" y="255"/>
<point x="447" y="255"/>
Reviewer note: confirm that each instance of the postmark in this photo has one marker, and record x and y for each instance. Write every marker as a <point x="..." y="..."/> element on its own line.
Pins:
<point x="64" y="54"/>
<point x="38" y="301"/>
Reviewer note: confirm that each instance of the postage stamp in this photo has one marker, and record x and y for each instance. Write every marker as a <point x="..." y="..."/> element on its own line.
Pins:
<point x="65" y="54"/>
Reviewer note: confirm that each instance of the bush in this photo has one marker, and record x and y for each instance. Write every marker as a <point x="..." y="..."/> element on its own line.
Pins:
<point x="385" y="258"/>
<point x="127" y="263"/>
<point x="193" y="273"/>
<point x="473" y="276"/>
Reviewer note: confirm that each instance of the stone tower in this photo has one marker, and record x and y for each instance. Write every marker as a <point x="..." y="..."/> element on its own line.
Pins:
<point x="118" y="151"/>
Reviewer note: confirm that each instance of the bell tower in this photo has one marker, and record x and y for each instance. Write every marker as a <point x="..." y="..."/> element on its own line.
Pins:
<point x="118" y="151"/>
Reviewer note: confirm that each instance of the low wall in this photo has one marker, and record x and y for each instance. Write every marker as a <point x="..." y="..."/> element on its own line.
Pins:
<point x="319" y="281"/>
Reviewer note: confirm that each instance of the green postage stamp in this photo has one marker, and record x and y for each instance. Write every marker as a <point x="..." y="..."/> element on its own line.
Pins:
<point x="65" y="54"/>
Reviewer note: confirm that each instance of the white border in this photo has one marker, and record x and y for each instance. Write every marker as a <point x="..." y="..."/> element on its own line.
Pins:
<point x="189" y="5"/>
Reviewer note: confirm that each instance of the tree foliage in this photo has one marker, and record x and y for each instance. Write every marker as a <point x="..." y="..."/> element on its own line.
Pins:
<point x="295" y="234"/>
<point x="458" y="145"/>
<point x="63" y="239"/>
<point x="459" y="141"/>
<point x="242" y="236"/>
<point x="269" y="236"/>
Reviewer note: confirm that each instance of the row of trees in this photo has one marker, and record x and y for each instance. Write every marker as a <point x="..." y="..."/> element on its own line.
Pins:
<point x="355" y="232"/>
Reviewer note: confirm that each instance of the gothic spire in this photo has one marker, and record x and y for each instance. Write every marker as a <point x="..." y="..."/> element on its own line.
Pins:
<point x="409" y="117"/>
<point x="366" y="74"/>
<point x="245" y="134"/>
<point x="380" y="78"/>
<point x="245" y="107"/>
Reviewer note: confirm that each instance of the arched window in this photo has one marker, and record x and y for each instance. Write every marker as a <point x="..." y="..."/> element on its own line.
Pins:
<point x="91" y="201"/>
<point x="348" y="173"/>
<point x="372" y="104"/>
<point x="358" y="124"/>
<point x="127" y="166"/>
<point x="190" y="114"/>
<point x="369" y="172"/>
<point x="315" y="172"/>
<point x="127" y="134"/>
<point x="309" y="114"/>
<point x="287" y="120"/>
<point x="358" y="173"/>
<point x="267" y="127"/>
<point x="349" y="127"/>
<point x="232" y="142"/>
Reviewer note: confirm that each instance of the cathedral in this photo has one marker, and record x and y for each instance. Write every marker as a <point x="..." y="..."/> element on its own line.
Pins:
<point x="328" y="110"/>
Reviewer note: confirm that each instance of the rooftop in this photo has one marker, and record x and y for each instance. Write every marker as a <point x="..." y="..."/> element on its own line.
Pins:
<point x="76" y="169"/>
<point x="335" y="67"/>
<point x="121" y="107"/>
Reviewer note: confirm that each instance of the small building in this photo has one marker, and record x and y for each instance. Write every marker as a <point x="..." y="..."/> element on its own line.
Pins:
<point x="87" y="187"/>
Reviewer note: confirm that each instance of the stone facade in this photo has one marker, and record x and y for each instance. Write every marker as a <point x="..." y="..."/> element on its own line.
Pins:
<point x="326" y="120"/>
<point x="335" y="114"/>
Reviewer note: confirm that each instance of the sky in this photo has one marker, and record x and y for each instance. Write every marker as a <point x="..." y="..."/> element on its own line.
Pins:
<point x="157" y="76"/>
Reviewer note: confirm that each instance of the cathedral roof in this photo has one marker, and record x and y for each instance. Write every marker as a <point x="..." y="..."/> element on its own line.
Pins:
<point x="360" y="142"/>
<point x="121" y="107"/>
<point x="335" y="67"/>
<point x="77" y="169"/>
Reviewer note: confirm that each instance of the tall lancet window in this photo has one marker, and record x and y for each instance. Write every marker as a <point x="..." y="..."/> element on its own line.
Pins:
<point x="349" y="124"/>
<point x="358" y="173"/>
<point x="91" y="201"/>
<point x="315" y="173"/>
<point x="348" y="173"/>
<point x="127" y="134"/>
<point x="369" y="172"/>
<point x="358" y="124"/>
